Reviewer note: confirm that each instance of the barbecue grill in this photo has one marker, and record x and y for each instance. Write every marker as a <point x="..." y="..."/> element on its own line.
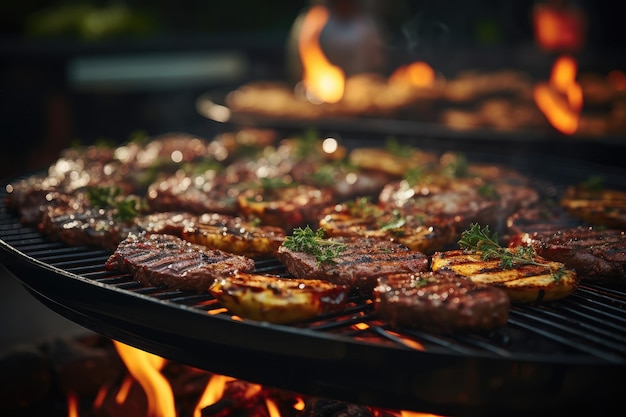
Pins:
<point x="550" y="357"/>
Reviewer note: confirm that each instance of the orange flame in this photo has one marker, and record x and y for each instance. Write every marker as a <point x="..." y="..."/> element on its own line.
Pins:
<point x="323" y="81"/>
<point x="213" y="392"/>
<point x="72" y="405"/>
<point x="417" y="74"/>
<point x="559" y="27"/>
<point x="561" y="100"/>
<point x="145" y="367"/>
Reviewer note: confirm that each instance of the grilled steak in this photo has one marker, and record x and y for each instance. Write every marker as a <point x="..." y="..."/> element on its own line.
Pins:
<point x="545" y="216"/>
<point x="210" y="192"/>
<point x="358" y="265"/>
<point x="235" y="235"/>
<point x="167" y="260"/>
<point x="539" y="280"/>
<point x="278" y="300"/>
<point x="89" y="227"/>
<point x="440" y="301"/>
<point x="595" y="254"/>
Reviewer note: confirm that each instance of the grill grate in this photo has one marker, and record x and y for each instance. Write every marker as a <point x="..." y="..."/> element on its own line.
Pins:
<point x="590" y="322"/>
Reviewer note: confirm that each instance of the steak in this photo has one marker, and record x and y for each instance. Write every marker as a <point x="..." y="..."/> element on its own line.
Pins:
<point x="358" y="266"/>
<point x="440" y="301"/>
<point x="595" y="254"/>
<point x="166" y="260"/>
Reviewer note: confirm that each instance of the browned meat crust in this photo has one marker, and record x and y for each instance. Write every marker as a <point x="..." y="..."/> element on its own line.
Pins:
<point x="358" y="265"/>
<point x="440" y="301"/>
<point x="595" y="254"/>
<point x="157" y="260"/>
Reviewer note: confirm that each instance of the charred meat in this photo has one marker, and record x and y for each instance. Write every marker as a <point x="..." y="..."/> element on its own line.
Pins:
<point x="440" y="301"/>
<point x="356" y="263"/>
<point x="166" y="260"/>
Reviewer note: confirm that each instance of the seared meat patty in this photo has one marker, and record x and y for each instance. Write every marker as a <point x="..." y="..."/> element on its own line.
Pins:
<point x="156" y="259"/>
<point x="595" y="254"/>
<point x="545" y="216"/>
<point x="440" y="301"/>
<point x="359" y="264"/>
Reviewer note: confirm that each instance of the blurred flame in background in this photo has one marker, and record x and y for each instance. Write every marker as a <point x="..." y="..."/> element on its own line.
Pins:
<point x="323" y="81"/>
<point x="561" y="99"/>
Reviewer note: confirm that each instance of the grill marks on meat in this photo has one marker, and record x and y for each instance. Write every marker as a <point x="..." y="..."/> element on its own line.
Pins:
<point x="543" y="280"/>
<point x="358" y="265"/>
<point x="440" y="301"/>
<point x="165" y="260"/>
<point x="595" y="254"/>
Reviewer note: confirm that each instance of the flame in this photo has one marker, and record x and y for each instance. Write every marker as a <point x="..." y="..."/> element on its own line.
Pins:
<point x="559" y="27"/>
<point x="213" y="392"/>
<point x="323" y="81"/>
<point x="272" y="408"/>
<point x="145" y="367"/>
<point x="561" y="100"/>
<point x="417" y="74"/>
<point x="72" y="404"/>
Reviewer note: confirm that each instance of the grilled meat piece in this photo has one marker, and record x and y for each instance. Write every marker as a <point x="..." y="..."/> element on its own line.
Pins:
<point x="595" y="254"/>
<point x="210" y="192"/>
<point x="603" y="207"/>
<point x="92" y="227"/>
<point x="361" y="218"/>
<point x="156" y="259"/>
<point x="542" y="280"/>
<point x="440" y="301"/>
<point x="278" y="300"/>
<point x="235" y="235"/>
<point x="358" y="265"/>
<point x="392" y="161"/>
<point x="545" y="216"/>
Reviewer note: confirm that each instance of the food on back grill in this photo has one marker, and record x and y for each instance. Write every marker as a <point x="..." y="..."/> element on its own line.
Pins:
<point x="419" y="231"/>
<point x="235" y="234"/>
<point x="529" y="281"/>
<point x="284" y="204"/>
<point x="166" y="260"/>
<point x="596" y="205"/>
<point x="355" y="262"/>
<point x="441" y="301"/>
<point x="596" y="254"/>
<point x="277" y="299"/>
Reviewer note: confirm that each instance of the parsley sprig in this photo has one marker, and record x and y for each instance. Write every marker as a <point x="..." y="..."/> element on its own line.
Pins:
<point x="313" y="243"/>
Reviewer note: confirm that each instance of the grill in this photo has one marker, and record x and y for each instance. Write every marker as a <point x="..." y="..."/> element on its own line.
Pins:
<point x="549" y="357"/>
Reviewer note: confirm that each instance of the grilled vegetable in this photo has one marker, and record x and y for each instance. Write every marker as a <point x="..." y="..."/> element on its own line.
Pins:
<point x="278" y="300"/>
<point x="525" y="276"/>
<point x="235" y="235"/>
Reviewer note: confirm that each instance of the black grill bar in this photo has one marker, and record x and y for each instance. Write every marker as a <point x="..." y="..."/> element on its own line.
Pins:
<point x="589" y="324"/>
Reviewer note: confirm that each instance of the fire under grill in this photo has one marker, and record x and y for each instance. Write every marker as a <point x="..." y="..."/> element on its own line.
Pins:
<point x="550" y="356"/>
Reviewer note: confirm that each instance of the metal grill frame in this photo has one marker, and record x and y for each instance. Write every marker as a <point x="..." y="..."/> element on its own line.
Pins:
<point x="566" y="353"/>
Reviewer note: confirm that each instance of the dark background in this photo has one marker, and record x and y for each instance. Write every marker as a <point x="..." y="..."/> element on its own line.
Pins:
<point x="43" y="111"/>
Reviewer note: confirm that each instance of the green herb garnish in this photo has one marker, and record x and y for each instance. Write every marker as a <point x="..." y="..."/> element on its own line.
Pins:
<point x="125" y="208"/>
<point x="313" y="243"/>
<point x="481" y="240"/>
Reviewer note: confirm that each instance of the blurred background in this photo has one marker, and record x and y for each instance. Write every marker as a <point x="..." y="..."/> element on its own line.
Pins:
<point x="81" y="71"/>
